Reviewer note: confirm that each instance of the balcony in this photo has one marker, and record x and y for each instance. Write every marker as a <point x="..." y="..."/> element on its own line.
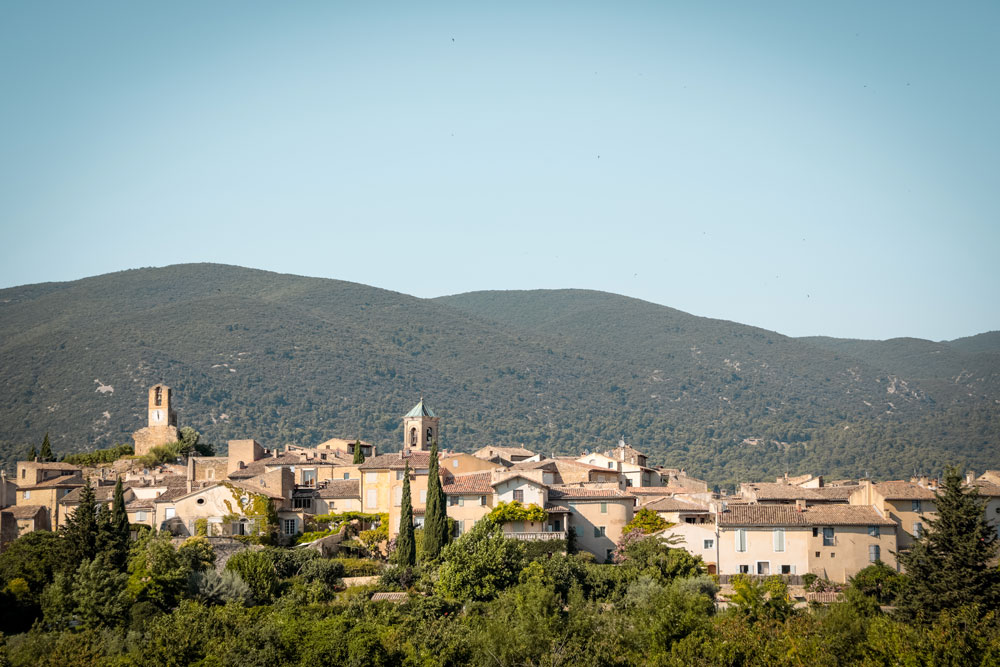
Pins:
<point x="537" y="536"/>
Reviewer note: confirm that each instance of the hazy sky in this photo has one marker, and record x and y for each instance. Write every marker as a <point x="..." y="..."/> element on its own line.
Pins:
<point x="812" y="168"/>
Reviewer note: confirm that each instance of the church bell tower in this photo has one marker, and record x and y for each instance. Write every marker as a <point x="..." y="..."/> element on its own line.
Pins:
<point x="420" y="428"/>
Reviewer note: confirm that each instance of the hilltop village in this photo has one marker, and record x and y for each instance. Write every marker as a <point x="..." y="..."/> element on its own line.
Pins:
<point x="792" y="526"/>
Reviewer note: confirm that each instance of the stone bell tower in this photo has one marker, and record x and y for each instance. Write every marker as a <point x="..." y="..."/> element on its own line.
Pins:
<point x="162" y="428"/>
<point x="420" y="428"/>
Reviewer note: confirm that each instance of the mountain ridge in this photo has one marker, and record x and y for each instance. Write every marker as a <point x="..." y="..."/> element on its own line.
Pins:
<point x="289" y="358"/>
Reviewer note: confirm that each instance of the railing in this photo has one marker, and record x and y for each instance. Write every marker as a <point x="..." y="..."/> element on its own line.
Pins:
<point x="539" y="536"/>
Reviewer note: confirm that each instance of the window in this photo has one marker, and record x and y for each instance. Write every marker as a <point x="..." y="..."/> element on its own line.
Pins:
<point x="413" y="437"/>
<point x="399" y="475"/>
<point x="309" y="477"/>
<point x="482" y="500"/>
<point x="289" y="526"/>
<point x="158" y="400"/>
<point x="709" y="544"/>
<point x="452" y="501"/>
<point x="518" y="526"/>
<point x="461" y="501"/>
<point x="598" y="531"/>
<point x="347" y="475"/>
<point x="200" y="501"/>
<point x="577" y="531"/>
<point x="140" y="515"/>
<point x="430" y="435"/>
<point x="874" y="553"/>
<point x="833" y="554"/>
<point x="763" y="567"/>
<point x="608" y="555"/>
<point x="423" y="496"/>
<point x="779" y="539"/>
<point x="27" y="495"/>
<point x="611" y="464"/>
<point x="372" y="497"/>
<point x="169" y="513"/>
<point x="744" y="569"/>
<point x="519" y="495"/>
<point x="815" y="531"/>
<point x="689" y="519"/>
<point x="918" y="529"/>
<point x="604" y="508"/>
<point x="873" y="531"/>
<point x="302" y="503"/>
<point x="915" y="505"/>
<point x="817" y="554"/>
<point x="788" y="569"/>
<point x="741" y="539"/>
<point x="828" y="540"/>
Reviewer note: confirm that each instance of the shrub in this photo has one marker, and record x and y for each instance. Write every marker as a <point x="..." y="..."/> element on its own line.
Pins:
<point x="359" y="567"/>
<point x="257" y="570"/>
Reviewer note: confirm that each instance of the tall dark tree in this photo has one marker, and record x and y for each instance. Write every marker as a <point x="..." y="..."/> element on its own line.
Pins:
<point x="359" y="456"/>
<point x="120" y="531"/>
<point x="435" y="513"/>
<point x="45" y="453"/>
<point x="32" y="453"/>
<point x="948" y="566"/>
<point x="81" y="527"/>
<point x="406" y="546"/>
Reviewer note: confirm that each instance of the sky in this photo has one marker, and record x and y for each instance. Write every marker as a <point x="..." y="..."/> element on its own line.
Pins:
<point x="810" y="168"/>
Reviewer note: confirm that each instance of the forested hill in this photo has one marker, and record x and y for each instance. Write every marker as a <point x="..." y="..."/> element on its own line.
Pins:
<point x="287" y="359"/>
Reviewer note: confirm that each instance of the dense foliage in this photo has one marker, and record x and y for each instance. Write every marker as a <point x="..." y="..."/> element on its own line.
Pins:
<point x="484" y="601"/>
<point x="287" y="359"/>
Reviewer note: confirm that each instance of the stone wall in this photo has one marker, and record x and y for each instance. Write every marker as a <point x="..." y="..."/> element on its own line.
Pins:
<point x="154" y="436"/>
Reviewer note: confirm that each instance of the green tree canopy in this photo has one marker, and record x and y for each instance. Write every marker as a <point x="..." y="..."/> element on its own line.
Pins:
<point x="480" y="564"/>
<point x="45" y="453"/>
<point x="81" y="527"/>
<point x="436" y="533"/>
<point x="406" y="554"/>
<point x="950" y="564"/>
<point x="359" y="456"/>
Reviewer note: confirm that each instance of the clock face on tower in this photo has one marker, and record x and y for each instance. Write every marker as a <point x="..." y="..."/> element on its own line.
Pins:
<point x="157" y="415"/>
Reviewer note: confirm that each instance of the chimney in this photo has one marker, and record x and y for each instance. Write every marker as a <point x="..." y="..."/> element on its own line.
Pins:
<point x="274" y="452"/>
<point x="970" y="477"/>
<point x="800" y="504"/>
<point x="190" y="473"/>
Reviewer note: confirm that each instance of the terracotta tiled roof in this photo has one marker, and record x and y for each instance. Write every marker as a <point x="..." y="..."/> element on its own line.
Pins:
<point x="172" y="493"/>
<point x="260" y="466"/>
<point x="473" y="483"/>
<point x="585" y="493"/>
<point x="24" y="511"/>
<point x="557" y="509"/>
<point x="788" y="515"/>
<point x="49" y="465"/>
<point x="674" y="505"/>
<point x="64" y="480"/>
<point x="506" y="451"/>
<point x="136" y="505"/>
<point x="774" y="491"/>
<point x="102" y="494"/>
<point x="388" y="597"/>
<point x="340" y="488"/>
<point x="987" y="488"/>
<point x="396" y="461"/>
<point x="836" y="493"/>
<point x="900" y="490"/>
<point x="662" y="491"/>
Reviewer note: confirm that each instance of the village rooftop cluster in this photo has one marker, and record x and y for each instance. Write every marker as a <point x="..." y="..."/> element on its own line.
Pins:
<point x="792" y="526"/>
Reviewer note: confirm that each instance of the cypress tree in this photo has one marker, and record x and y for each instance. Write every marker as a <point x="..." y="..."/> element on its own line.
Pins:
<point x="46" y="452"/>
<point x="32" y="453"/>
<point x="435" y="513"/>
<point x="948" y="566"/>
<point x="359" y="456"/>
<point x="81" y="527"/>
<point x="121" y="534"/>
<point x="406" y="546"/>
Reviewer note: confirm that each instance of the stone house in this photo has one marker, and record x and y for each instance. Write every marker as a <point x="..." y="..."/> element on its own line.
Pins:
<point x="45" y="484"/>
<point x="29" y="518"/>
<point x="598" y="514"/>
<point x="906" y="503"/>
<point x="470" y="498"/>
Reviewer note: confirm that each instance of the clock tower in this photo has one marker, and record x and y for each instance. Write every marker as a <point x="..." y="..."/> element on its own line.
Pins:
<point x="162" y="419"/>
<point x="161" y="412"/>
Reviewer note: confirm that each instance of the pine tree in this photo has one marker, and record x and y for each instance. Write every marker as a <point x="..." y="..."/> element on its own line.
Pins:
<point x="435" y="514"/>
<point x="948" y="566"/>
<point x="359" y="456"/>
<point x="81" y="527"/>
<point x="406" y="546"/>
<point x="45" y="454"/>
<point x="120" y="530"/>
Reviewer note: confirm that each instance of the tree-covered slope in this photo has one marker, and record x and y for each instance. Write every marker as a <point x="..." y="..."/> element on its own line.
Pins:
<point x="288" y="359"/>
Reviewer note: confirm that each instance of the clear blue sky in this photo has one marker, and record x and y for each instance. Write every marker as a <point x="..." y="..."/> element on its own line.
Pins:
<point x="811" y="168"/>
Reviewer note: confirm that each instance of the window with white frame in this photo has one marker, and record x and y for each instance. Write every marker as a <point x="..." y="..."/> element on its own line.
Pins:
<point x="519" y="495"/>
<point x="741" y="539"/>
<point x="27" y="495"/>
<point x="423" y="495"/>
<point x="289" y="526"/>
<point x="169" y="513"/>
<point x="763" y="567"/>
<point x="140" y="515"/>
<point x="874" y="553"/>
<point x="779" y="539"/>
<point x="709" y="544"/>
<point x="828" y="537"/>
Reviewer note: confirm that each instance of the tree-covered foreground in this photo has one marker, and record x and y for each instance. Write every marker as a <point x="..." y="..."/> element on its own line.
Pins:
<point x="86" y="596"/>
